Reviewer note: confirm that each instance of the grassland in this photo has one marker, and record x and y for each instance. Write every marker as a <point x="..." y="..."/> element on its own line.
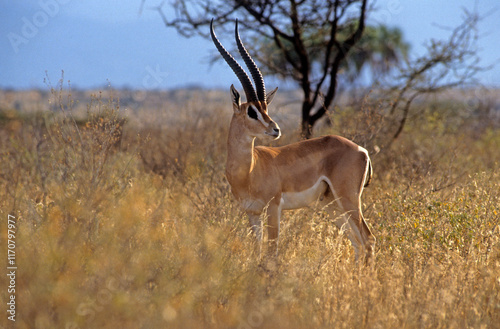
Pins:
<point x="131" y="224"/>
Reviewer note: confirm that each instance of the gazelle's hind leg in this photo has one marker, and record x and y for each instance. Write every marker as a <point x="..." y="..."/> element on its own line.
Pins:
<point x="358" y="233"/>
<point x="344" y="224"/>
<point x="352" y="221"/>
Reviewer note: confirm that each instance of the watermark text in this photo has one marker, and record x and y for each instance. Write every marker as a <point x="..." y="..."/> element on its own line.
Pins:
<point x="11" y="267"/>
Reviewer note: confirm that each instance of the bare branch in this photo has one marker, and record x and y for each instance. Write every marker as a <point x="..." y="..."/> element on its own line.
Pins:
<point x="447" y="64"/>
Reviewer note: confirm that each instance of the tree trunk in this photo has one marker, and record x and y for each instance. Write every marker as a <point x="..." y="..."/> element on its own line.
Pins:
<point x="306" y="124"/>
<point x="309" y="119"/>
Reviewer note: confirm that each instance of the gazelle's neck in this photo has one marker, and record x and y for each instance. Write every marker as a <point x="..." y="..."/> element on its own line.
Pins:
<point x="240" y="154"/>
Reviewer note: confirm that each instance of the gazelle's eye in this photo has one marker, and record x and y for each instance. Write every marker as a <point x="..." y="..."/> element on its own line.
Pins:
<point x="251" y="113"/>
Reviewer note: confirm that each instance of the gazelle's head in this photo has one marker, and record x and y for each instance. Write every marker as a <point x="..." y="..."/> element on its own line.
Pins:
<point x="252" y="116"/>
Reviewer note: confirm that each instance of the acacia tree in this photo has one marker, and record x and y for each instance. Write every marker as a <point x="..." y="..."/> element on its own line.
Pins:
<point x="312" y="37"/>
<point x="380" y="50"/>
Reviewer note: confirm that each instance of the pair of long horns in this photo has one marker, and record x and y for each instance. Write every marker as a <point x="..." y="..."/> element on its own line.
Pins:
<point x="250" y="92"/>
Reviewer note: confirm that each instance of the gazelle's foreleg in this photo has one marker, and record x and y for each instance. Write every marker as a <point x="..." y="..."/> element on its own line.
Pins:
<point x="273" y="227"/>
<point x="256" y="226"/>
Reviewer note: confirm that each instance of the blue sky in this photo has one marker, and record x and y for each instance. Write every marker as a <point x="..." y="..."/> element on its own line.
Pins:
<point x="101" y="42"/>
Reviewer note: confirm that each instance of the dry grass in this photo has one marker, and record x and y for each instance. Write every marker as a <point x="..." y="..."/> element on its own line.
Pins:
<point x="120" y="231"/>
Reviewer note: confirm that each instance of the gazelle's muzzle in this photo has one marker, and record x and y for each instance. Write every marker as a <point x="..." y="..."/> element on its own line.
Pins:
<point x="273" y="130"/>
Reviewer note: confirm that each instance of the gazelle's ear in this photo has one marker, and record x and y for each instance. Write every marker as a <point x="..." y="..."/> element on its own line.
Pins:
<point x="270" y="96"/>
<point x="235" y="97"/>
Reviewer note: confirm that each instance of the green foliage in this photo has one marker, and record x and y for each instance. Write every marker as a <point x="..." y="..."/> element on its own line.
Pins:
<point x="379" y="48"/>
<point x="105" y="239"/>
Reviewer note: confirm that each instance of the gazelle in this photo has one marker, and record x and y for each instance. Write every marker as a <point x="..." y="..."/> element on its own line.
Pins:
<point x="330" y="170"/>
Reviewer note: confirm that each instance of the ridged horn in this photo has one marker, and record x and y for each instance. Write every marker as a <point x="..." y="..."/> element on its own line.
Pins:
<point x="254" y="70"/>
<point x="237" y="69"/>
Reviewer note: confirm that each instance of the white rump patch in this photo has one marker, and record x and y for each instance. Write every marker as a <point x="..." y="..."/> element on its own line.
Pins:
<point x="362" y="149"/>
